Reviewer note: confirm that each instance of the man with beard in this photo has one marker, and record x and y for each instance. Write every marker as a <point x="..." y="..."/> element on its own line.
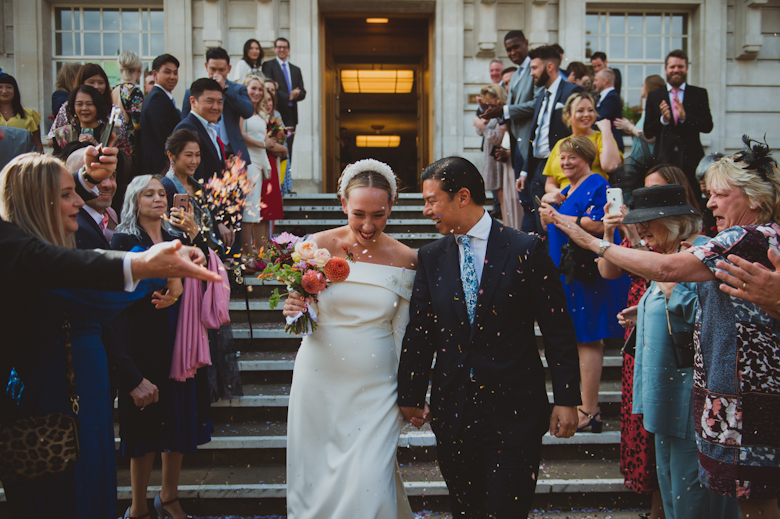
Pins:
<point x="548" y="127"/>
<point x="681" y="109"/>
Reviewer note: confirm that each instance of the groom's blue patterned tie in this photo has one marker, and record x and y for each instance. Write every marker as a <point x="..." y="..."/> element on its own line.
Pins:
<point x="468" y="276"/>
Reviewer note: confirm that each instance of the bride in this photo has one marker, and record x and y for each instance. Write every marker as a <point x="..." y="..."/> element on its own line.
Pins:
<point x="343" y="422"/>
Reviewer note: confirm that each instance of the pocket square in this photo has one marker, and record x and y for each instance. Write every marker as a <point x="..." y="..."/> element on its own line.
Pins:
<point x="559" y="106"/>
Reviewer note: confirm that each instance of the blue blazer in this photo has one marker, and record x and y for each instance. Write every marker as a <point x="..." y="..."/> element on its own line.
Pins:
<point x="558" y="130"/>
<point x="210" y="162"/>
<point x="236" y="104"/>
<point x="159" y="117"/>
<point x="611" y="107"/>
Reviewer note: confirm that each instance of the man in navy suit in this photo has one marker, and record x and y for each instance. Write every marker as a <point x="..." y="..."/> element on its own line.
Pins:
<point x="599" y="62"/>
<point x="548" y="127"/>
<point x="476" y="295"/>
<point x="290" y="81"/>
<point x="206" y="103"/>
<point x="681" y="109"/>
<point x="609" y="105"/>
<point x="159" y="115"/>
<point x="236" y="104"/>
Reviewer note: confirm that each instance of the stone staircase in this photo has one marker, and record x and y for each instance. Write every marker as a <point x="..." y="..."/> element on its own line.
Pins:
<point x="242" y="470"/>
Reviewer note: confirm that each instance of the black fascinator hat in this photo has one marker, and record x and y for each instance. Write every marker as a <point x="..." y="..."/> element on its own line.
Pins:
<point x="756" y="157"/>
<point x="652" y="203"/>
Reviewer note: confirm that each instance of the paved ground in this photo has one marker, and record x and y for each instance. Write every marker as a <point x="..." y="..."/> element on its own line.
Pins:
<point x="535" y="514"/>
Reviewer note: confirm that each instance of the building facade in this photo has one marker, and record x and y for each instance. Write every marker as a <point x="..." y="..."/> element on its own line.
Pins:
<point x="734" y="47"/>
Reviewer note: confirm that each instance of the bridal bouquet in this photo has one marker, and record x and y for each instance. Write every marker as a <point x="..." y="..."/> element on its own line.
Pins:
<point x="276" y="130"/>
<point x="305" y="269"/>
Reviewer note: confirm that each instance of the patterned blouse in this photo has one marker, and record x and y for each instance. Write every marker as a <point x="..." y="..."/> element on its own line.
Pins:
<point x="736" y="384"/>
<point x="31" y="122"/>
<point x="63" y="124"/>
<point x="132" y="99"/>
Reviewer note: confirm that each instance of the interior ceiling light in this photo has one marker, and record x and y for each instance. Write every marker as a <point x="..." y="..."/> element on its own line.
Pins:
<point x="376" y="20"/>
<point x="377" y="81"/>
<point x="378" y="141"/>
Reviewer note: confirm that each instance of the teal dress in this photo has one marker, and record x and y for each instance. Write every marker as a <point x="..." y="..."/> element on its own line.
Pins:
<point x="663" y="394"/>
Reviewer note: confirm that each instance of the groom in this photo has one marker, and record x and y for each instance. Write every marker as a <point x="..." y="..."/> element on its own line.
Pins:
<point x="477" y="293"/>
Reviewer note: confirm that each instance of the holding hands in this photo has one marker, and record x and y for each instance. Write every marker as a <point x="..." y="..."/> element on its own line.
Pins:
<point x="415" y="415"/>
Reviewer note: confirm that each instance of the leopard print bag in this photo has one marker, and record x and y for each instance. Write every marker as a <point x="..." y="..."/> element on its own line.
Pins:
<point x="38" y="445"/>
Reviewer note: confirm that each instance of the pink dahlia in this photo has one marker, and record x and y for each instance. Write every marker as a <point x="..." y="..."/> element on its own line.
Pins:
<point x="314" y="282"/>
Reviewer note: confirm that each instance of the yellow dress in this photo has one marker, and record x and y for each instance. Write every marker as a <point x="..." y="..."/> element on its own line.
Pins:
<point x="30" y="123"/>
<point x="553" y="166"/>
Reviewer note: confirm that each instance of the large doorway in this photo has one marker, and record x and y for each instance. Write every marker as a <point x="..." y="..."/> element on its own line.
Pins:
<point x="376" y="94"/>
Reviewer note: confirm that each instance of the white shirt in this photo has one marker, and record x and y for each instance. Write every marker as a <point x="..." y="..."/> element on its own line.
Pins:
<point x="519" y="72"/>
<point x="543" y="137"/>
<point x="603" y="94"/>
<point x="680" y="96"/>
<point x="94" y="214"/>
<point x="211" y="129"/>
<point x="479" y="239"/>
<point x="278" y="60"/>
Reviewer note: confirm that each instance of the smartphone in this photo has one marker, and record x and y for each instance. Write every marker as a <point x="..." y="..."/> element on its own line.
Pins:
<point x="615" y="199"/>
<point x="538" y="201"/>
<point x="181" y="201"/>
<point x="114" y="118"/>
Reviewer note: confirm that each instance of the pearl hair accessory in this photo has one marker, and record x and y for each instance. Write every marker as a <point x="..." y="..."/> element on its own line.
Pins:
<point x="364" y="165"/>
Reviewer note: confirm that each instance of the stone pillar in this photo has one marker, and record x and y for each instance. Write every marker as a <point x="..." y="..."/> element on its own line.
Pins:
<point x="305" y="53"/>
<point x="712" y="27"/>
<point x="214" y="21"/>
<point x="178" y="41"/>
<point x="267" y="23"/>
<point x="448" y="74"/>
<point x="747" y="28"/>
<point x="30" y="55"/>
<point x="571" y="33"/>
<point x="537" y="24"/>
<point x="485" y="13"/>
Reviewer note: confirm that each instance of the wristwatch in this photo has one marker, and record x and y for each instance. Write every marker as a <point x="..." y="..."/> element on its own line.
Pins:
<point x="88" y="178"/>
<point x="603" y="246"/>
<point x="642" y="243"/>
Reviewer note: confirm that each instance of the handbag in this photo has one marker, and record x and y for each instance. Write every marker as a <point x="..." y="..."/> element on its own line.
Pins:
<point x="39" y="445"/>
<point x="215" y="311"/>
<point x="683" y="344"/>
<point x="577" y="263"/>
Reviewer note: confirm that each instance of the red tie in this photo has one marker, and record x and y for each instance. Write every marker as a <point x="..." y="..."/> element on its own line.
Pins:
<point x="221" y="147"/>
<point x="104" y="223"/>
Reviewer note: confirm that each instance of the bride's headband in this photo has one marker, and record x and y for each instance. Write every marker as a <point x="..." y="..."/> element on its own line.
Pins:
<point x="366" y="165"/>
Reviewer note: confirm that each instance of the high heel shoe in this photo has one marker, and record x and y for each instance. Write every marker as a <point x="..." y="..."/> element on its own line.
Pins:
<point x="128" y="516"/>
<point x="159" y="506"/>
<point x="595" y="425"/>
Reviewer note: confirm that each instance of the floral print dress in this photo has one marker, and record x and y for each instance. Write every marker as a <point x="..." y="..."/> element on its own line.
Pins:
<point x="736" y="385"/>
<point x="132" y="98"/>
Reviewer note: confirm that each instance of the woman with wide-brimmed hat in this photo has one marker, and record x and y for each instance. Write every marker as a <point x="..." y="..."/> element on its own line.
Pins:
<point x="663" y="389"/>
<point x="736" y="385"/>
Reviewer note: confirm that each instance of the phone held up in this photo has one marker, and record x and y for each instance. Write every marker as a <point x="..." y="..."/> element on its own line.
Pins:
<point x="182" y="201"/>
<point x="615" y="199"/>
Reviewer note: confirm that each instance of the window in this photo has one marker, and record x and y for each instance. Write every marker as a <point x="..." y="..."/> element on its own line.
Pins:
<point x="96" y="35"/>
<point x="635" y="43"/>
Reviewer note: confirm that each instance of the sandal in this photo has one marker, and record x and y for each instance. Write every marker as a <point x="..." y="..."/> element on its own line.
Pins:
<point x="159" y="506"/>
<point x="595" y="425"/>
<point x="128" y="516"/>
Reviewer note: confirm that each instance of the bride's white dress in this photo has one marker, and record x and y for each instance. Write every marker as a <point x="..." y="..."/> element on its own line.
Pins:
<point x="343" y="420"/>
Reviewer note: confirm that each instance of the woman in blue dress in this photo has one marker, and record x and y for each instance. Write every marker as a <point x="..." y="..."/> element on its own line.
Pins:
<point x="593" y="304"/>
<point x="29" y="187"/>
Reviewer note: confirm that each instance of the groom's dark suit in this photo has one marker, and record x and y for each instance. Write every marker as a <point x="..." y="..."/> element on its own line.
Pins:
<point x="497" y="417"/>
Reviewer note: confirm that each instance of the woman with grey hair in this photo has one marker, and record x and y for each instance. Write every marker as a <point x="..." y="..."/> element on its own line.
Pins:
<point x="662" y="388"/>
<point x="736" y="378"/>
<point x="175" y="425"/>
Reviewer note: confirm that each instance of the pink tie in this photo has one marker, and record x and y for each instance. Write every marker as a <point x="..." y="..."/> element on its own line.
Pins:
<point x="675" y="91"/>
<point x="104" y="223"/>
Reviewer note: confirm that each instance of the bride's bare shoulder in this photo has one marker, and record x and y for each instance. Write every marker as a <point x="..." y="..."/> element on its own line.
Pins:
<point x="331" y="239"/>
<point x="403" y="256"/>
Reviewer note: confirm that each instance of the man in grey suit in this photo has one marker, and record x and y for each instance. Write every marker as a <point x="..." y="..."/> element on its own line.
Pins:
<point x="14" y="142"/>
<point x="519" y="110"/>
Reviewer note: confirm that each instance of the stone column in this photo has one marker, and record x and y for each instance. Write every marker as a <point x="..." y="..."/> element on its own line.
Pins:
<point x="178" y="41"/>
<point x="448" y="74"/>
<point x="267" y="23"/>
<point x="571" y="30"/>
<point x="31" y="55"/>
<point x="712" y="41"/>
<point x="485" y="13"/>
<point x="305" y="53"/>
<point x="537" y="21"/>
